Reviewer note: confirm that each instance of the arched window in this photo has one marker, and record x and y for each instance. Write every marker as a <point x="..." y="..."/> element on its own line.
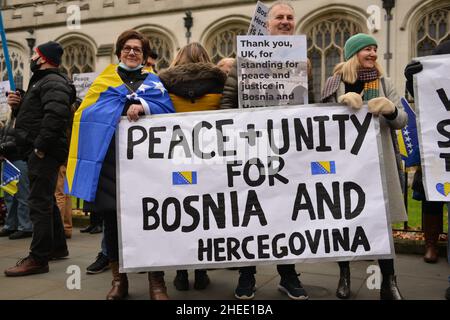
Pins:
<point x="222" y="43"/>
<point x="326" y="39"/>
<point x="432" y="29"/>
<point x="17" y="64"/>
<point x="162" y="45"/>
<point x="78" y="57"/>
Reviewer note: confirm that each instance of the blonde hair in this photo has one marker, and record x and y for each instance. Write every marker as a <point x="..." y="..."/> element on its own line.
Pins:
<point x="225" y="61"/>
<point x="349" y="69"/>
<point x="191" y="53"/>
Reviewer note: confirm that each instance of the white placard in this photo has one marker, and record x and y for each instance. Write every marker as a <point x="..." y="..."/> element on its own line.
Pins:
<point x="432" y="94"/>
<point x="272" y="71"/>
<point x="258" y="25"/>
<point x="4" y="108"/>
<point x="227" y="188"/>
<point x="82" y="82"/>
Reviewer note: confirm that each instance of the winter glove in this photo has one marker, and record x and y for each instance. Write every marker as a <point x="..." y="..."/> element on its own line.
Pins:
<point x="410" y="70"/>
<point x="381" y="105"/>
<point x="351" y="99"/>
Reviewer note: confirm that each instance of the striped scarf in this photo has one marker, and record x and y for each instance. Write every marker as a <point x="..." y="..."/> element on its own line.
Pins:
<point x="371" y="83"/>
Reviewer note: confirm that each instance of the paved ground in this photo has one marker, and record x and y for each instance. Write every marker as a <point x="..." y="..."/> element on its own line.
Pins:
<point x="416" y="279"/>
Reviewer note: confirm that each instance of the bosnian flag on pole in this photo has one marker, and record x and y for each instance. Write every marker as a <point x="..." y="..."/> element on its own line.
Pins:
<point x="6" y="54"/>
<point x="407" y="138"/>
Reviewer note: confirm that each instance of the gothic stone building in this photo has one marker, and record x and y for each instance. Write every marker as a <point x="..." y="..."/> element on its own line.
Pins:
<point x="416" y="27"/>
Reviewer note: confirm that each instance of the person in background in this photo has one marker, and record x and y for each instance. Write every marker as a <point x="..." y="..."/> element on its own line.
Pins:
<point x="281" y="21"/>
<point x="226" y="64"/>
<point x="151" y="60"/>
<point x="432" y="211"/>
<point x="95" y="219"/>
<point x="194" y="84"/>
<point x="101" y="262"/>
<point x="63" y="200"/>
<point x="43" y="116"/>
<point x="360" y="78"/>
<point x="17" y="223"/>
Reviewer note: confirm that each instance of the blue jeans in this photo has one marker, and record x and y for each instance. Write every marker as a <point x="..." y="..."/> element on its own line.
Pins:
<point x="18" y="216"/>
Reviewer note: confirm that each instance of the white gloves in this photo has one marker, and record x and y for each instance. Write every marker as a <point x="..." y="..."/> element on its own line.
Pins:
<point x="351" y="99"/>
<point x="377" y="106"/>
<point x="381" y="105"/>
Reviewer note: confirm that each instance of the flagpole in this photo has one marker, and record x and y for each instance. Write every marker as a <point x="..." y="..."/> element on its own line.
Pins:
<point x="12" y="85"/>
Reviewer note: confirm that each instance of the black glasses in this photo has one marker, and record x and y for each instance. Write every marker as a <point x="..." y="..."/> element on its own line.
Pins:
<point x="137" y="50"/>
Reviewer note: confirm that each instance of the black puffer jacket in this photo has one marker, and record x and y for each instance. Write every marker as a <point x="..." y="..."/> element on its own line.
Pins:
<point x="44" y="115"/>
<point x="8" y="148"/>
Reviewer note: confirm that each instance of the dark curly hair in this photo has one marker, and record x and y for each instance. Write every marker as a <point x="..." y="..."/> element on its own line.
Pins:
<point x="132" y="34"/>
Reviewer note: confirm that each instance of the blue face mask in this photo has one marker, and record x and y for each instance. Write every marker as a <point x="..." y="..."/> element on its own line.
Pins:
<point x="127" y="68"/>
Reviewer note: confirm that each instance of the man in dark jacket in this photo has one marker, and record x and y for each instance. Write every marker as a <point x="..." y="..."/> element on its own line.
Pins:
<point x="43" y="115"/>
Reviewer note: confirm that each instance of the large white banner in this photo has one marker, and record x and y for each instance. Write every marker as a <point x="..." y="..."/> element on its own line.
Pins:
<point x="432" y="94"/>
<point x="272" y="71"/>
<point x="246" y="187"/>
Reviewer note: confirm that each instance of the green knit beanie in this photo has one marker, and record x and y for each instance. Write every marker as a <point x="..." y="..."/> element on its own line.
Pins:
<point x="357" y="42"/>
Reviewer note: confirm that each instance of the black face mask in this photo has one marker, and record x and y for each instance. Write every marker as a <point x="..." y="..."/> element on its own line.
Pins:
<point x="34" y="66"/>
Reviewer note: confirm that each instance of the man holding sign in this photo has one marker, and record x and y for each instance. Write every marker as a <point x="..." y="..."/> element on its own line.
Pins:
<point x="281" y="21"/>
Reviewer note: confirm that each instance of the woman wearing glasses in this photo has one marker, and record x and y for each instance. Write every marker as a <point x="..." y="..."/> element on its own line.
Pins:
<point x="128" y="90"/>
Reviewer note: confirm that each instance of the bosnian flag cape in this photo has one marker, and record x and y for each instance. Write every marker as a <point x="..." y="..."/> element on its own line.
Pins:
<point x="96" y="120"/>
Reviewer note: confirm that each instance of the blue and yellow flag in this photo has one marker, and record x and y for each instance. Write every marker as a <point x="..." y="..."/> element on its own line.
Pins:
<point x="408" y="140"/>
<point x="323" y="167"/>
<point x="184" y="178"/>
<point x="95" y="122"/>
<point x="10" y="176"/>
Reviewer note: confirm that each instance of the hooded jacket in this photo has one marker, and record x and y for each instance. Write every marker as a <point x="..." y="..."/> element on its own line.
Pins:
<point x="194" y="86"/>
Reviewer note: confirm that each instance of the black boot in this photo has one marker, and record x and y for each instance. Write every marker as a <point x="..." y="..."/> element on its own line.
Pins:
<point x="181" y="281"/>
<point x="201" y="280"/>
<point x="389" y="289"/>
<point x="343" y="289"/>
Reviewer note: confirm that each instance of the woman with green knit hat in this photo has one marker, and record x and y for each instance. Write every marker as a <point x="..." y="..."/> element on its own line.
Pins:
<point x="357" y="81"/>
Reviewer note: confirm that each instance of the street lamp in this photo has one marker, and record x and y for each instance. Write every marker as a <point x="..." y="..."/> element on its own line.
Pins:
<point x="188" y="23"/>
<point x="31" y="41"/>
<point x="388" y="5"/>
